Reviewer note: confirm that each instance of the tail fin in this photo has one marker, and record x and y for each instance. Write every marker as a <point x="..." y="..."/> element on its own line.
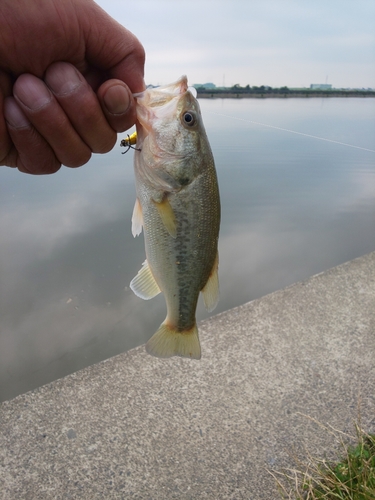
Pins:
<point x="167" y="342"/>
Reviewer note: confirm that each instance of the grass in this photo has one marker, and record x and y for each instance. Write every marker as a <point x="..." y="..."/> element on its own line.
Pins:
<point x="351" y="477"/>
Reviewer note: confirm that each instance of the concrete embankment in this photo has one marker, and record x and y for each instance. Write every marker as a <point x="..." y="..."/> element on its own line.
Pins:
<point x="138" y="427"/>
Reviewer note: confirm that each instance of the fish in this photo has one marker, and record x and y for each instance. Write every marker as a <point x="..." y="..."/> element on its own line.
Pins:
<point x="178" y="207"/>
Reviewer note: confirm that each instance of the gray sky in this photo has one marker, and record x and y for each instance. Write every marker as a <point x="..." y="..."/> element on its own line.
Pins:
<point x="267" y="42"/>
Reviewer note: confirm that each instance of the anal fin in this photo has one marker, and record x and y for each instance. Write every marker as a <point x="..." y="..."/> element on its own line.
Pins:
<point x="144" y="284"/>
<point x="210" y="291"/>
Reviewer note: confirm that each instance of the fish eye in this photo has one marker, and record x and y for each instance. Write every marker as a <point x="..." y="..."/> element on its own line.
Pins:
<point x="188" y="118"/>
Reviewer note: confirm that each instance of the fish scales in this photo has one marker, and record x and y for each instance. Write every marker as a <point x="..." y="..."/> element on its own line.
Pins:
<point x="196" y="235"/>
<point x="179" y="207"/>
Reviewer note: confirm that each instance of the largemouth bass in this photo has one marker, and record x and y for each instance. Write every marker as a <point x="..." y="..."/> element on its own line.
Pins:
<point x="178" y="207"/>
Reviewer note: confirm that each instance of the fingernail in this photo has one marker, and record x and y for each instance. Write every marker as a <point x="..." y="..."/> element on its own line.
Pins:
<point x="14" y="115"/>
<point x="117" y="100"/>
<point x="63" y="79"/>
<point x="32" y="92"/>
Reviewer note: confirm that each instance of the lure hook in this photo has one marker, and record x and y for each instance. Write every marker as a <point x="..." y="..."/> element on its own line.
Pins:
<point x="129" y="143"/>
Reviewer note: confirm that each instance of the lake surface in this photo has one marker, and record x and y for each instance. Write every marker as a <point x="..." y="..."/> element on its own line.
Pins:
<point x="292" y="206"/>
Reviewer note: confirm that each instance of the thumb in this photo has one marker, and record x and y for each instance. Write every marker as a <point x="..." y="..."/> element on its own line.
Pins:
<point x="117" y="104"/>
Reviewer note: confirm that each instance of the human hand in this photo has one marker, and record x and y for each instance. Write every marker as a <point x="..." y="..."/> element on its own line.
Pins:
<point x="67" y="73"/>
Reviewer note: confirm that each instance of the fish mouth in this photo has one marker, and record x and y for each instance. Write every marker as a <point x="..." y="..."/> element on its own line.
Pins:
<point x="157" y="95"/>
<point x="157" y="103"/>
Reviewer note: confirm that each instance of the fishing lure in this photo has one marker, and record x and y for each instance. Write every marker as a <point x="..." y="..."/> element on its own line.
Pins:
<point x="130" y="142"/>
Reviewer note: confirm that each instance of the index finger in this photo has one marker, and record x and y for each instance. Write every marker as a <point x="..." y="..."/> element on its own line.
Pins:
<point x="112" y="48"/>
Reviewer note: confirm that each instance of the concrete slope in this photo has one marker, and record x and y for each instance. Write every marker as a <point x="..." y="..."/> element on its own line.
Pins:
<point x="136" y="427"/>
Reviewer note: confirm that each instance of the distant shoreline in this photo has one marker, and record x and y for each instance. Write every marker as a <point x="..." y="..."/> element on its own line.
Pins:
<point x="282" y="95"/>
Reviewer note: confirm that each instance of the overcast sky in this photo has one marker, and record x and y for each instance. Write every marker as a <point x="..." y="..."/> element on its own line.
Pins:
<point x="267" y="42"/>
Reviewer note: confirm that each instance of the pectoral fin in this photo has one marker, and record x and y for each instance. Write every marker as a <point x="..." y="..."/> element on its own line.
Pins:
<point x="167" y="216"/>
<point x="137" y="219"/>
<point x="210" y="291"/>
<point x="144" y="284"/>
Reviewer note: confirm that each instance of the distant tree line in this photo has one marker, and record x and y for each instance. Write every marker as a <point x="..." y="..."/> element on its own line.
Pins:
<point x="237" y="89"/>
<point x="265" y="90"/>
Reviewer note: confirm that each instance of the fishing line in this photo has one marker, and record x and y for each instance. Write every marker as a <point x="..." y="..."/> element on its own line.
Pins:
<point x="293" y="132"/>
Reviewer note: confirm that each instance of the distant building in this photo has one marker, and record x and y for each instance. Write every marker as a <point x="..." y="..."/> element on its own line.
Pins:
<point x="321" y="86"/>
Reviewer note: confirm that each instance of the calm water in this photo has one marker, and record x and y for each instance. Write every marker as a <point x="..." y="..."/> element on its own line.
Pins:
<point x="292" y="206"/>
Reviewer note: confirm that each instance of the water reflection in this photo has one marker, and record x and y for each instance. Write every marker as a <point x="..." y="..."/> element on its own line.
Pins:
<point x="292" y="206"/>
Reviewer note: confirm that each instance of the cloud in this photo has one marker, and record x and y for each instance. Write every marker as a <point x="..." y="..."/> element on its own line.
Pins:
<point x="271" y="42"/>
